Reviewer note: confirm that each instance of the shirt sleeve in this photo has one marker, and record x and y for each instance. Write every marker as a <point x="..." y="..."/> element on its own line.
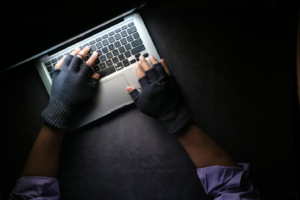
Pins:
<point x="35" y="188"/>
<point x="228" y="182"/>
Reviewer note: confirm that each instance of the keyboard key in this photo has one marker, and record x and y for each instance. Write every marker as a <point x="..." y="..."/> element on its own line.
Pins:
<point x="102" y="65"/>
<point x="49" y="69"/>
<point x="60" y="57"/>
<point x="99" y="45"/>
<point x="96" y="68"/>
<point x="99" y="52"/>
<point x="138" y="49"/>
<point x="115" y="59"/>
<point x="105" y="50"/>
<point x="132" y="61"/>
<point x="129" y="38"/>
<point x="108" y="63"/>
<point x="93" y="48"/>
<point x="146" y="55"/>
<point x="118" y="30"/>
<point x="131" y="24"/>
<point x="117" y="44"/>
<point x="123" y="33"/>
<point x="97" y="61"/>
<point x="107" y="71"/>
<point x="109" y="55"/>
<point x="124" y="27"/>
<point x="51" y="75"/>
<point x="123" y="41"/>
<point x="131" y="30"/>
<point x="105" y="42"/>
<point x="136" y="42"/>
<point x="136" y="35"/>
<point x="54" y="60"/>
<point x="127" y="54"/>
<point x="118" y="36"/>
<point x="111" y="39"/>
<point x="111" y="33"/>
<point x="54" y="65"/>
<point x="126" y="63"/>
<point x="104" y="36"/>
<point x="81" y="47"/>
<point x="72" y="51"/>
<point x="137" y="59"/>
<point x="85" y="45"/>
<point x="99" y="39"/>
<point x="121" y="57"/>
<point x="121" y="49"/>
<point x="137" y="55"/>
<point x="66" y="54"/>
<point x="48" y="63"/>
<point x="86" y="57"/>
<point x="119" y="66"/>
<point x="92" y="42"/>
<point x="111" y="47"/>
<point x="103" y="58"/>
<point x="128" y="46"/>
<point x="115" y="52"/>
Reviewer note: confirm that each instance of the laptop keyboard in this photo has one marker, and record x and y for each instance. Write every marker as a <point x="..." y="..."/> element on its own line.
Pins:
<point x="113" y="50"/>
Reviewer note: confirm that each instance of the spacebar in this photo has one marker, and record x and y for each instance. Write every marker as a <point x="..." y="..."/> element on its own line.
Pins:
<point x="107" y="71"/>
<point x="137" y="49"/>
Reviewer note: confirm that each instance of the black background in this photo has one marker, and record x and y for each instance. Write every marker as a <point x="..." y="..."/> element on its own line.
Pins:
<point x="235" y="63"/>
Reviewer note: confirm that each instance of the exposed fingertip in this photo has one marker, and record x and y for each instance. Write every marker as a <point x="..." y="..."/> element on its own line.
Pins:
<point x="96" y="76"/>
<point x="129" y="89"/>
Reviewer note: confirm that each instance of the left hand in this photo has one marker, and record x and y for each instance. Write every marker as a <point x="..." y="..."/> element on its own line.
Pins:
<point x="71" y="86"/>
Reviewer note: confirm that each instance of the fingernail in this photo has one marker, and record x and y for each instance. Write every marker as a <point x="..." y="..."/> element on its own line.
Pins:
<point x="78" y="48"/>
<point x="142" y="57"/>
<point x="151" y="56"/>
<point x="136" y="65"/>
<point x="87" y="47"/>
<point x="95" y="52"/>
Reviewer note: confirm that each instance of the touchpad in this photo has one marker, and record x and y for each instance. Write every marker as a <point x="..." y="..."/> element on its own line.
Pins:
<point x="112" y="94"/>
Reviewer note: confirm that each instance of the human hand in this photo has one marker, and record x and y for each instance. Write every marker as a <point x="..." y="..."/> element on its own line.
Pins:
<point x="160" y="96"/>
<point x="71" y="86"/>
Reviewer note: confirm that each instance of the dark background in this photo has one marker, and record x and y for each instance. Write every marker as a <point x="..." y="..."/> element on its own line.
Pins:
<point x="235" y="63"/>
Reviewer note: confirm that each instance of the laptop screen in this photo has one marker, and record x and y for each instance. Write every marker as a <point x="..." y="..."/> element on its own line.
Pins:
<point x="78" y="30"/>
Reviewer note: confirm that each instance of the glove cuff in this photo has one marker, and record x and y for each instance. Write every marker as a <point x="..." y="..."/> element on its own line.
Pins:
<point x="57" y="114"/>
<point x="175" y="119"/>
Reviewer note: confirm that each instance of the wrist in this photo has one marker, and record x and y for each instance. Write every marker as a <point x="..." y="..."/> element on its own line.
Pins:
<point x="175" y="119"/>
<point x="57" y="114"/>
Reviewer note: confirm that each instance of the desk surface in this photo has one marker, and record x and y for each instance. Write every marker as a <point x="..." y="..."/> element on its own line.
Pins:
<point x="235" y="66"/>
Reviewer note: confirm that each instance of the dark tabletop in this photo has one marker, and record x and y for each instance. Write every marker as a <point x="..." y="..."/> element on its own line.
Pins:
<point x="235" y="65"/>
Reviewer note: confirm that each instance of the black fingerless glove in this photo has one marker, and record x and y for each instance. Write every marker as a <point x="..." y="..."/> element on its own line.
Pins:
<point x="160" y="99"/>
<point x="70" y="88"/>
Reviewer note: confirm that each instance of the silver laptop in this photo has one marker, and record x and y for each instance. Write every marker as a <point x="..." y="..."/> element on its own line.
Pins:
<point x="119" y="43"/>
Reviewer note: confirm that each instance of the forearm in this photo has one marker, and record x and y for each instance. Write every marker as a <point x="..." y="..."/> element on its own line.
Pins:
<point x="202" y="149"/>
<point x="43" y="159"/>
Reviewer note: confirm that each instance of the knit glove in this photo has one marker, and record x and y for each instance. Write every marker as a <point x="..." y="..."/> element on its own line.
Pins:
<point x="160" y="99"/>
<point x="71" y="86"/>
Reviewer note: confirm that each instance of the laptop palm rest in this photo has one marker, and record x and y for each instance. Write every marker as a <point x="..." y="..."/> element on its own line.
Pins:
<point x="112" y="94"/>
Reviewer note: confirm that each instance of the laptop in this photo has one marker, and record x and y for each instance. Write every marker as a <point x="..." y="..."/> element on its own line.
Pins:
<point x="119" y="43"/>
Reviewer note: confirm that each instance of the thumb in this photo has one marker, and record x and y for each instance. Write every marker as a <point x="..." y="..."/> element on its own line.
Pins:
<point x="129" y="89"/>
<point x="134" y="93"/>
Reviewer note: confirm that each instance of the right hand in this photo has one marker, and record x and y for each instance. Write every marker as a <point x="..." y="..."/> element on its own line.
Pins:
<point x="160" y="96"/>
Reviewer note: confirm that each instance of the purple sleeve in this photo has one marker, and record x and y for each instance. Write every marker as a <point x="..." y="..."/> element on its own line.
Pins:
<point x="35" y="188"/>
<point x="228" y="182"/>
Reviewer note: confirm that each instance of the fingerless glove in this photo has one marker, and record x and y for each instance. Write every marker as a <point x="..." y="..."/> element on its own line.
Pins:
<point x="70" y="88"/>
<point x="160" y="99"/>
